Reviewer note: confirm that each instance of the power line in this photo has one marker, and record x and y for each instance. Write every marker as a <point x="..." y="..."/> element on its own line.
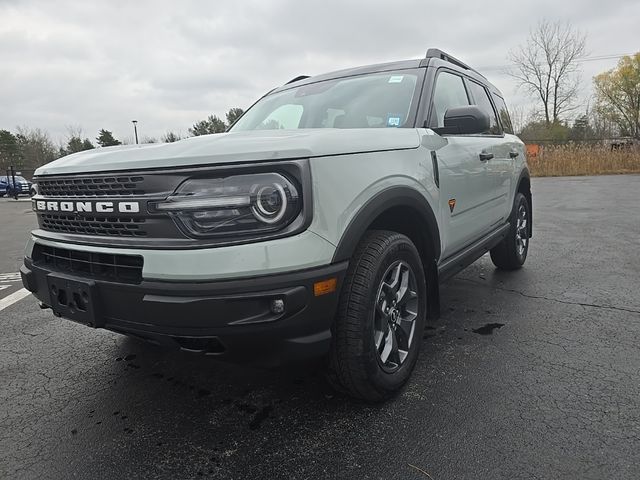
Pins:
<point x="594" y="58"/>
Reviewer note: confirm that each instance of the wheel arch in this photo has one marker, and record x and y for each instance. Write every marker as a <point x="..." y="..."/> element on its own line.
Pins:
<point x="404" y="210"/>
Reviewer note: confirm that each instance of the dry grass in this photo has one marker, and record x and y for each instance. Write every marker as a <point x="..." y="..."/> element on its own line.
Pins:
<point x="562" y="160"/>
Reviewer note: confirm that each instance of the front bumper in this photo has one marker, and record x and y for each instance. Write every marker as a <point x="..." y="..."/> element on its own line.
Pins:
<point x="229" y="318"/>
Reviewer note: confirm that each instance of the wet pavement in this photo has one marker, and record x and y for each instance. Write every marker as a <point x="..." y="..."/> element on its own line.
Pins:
<point x="532" y="374"/>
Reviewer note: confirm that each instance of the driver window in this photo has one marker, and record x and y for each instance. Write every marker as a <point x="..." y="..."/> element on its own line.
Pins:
<point x="449" y="93"/>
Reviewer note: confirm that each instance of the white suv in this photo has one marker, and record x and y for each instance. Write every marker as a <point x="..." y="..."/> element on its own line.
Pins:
<point x="320" y="225"/>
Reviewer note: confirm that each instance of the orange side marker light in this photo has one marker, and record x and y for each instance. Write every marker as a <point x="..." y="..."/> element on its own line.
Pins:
<point x="325" y="286"/>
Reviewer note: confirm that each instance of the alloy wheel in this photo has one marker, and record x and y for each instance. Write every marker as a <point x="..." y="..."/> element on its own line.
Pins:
<point x="522" y="233"/>
<point x="395" y="316"/>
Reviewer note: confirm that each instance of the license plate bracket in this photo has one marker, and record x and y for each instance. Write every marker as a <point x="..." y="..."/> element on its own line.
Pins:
<point x="74" y="299"/>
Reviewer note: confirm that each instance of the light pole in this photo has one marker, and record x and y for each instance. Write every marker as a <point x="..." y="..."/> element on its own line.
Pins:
<point x="135" y="129"/>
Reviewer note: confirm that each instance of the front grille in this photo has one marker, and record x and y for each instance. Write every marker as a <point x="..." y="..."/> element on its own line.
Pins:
<point x="111" y="226"/>
<point x="121" y="268"/>
<point x="102" y="186"/>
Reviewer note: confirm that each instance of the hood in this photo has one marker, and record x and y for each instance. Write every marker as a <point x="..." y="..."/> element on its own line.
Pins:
<point x="221" y="148"/>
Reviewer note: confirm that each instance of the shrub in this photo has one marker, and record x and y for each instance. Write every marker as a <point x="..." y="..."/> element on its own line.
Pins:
<point x="562" y="160"/>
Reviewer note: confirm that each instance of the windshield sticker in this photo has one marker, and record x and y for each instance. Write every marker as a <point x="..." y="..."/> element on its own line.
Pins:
<point x="393" y="121"/>
<point x="396" y="78"/>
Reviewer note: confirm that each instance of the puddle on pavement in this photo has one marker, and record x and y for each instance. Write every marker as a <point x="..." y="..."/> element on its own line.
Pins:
<point x="488" y="328"/>
<point x="260" y="417"/>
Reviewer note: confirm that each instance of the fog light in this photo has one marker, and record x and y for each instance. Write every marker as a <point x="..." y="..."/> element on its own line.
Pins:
<point x="277" y="306"/>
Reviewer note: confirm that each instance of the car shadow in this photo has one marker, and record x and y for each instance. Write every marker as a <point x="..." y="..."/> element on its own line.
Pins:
<point x="211" y="413"/>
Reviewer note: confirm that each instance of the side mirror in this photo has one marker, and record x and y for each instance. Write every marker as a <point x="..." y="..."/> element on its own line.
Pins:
<point x="465" y="120"/>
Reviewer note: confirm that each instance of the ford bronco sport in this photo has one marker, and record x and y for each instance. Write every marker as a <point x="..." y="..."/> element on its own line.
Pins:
<point x="319" y="225"/>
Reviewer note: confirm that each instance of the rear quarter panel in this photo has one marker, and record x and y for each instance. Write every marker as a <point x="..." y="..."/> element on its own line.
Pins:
<point x="518" y="164"/>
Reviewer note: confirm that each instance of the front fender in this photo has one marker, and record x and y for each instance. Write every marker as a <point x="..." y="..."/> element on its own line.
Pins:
<point x="349" y="191"/>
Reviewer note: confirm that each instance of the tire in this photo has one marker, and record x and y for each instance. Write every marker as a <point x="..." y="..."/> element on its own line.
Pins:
<point x="373" y="353"/>
<point x="511" y="253"/>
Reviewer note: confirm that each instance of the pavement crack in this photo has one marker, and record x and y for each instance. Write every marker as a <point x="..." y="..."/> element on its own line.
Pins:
<point x="556" y="300"/>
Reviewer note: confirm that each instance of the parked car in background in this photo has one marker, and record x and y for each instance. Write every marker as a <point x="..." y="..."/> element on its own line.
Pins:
<point x="22" y="186"/>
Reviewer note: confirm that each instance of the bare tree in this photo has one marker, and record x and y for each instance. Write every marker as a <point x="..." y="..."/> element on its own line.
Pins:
<point x="547" y="66"/>
<point x="519" y="118"/>
<point x="74" y="131"/>
<point x="35" y="146"/>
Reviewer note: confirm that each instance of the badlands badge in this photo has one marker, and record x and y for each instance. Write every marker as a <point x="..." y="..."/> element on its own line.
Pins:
<point x="452" y="204"/>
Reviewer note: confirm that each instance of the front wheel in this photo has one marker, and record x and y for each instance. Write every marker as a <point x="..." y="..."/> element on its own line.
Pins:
<point x="511" y="253"/>
<point x="380" y="320"/>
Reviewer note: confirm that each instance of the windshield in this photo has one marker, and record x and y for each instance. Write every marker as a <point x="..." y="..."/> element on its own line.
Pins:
<point x="377" y="100"/>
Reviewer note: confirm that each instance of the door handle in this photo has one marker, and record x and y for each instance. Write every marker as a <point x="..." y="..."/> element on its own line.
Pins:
<point x="514" y="153"/>
<point x="484" y="156"/>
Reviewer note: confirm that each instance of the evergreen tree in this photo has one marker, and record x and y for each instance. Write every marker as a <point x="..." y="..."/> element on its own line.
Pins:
<point x="105" y="139"/>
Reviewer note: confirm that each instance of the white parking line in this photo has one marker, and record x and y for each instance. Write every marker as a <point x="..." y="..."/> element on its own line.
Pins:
<point x="10" y="277"/>
<point x="13" y="298"/>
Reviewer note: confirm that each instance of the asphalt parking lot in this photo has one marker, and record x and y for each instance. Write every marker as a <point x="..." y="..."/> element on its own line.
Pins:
<point x="528" y="375"/>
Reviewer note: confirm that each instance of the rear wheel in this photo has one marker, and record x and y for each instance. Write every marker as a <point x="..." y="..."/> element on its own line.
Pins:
<point x="511" y="253"/>
<point x="378" y="330"/>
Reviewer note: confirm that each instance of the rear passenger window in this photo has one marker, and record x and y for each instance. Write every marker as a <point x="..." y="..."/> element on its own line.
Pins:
<point x="503" y="113"/>
<point x="481" y="99"/>
<point x="449" y="93"/>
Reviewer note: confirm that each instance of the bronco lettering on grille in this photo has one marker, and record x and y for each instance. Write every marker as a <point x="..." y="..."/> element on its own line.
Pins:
<point x="77" y="207"/>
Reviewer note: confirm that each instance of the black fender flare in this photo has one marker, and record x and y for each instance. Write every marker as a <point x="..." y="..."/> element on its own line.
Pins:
<point x="397" y="196"/>
<point x="524" y="174"/>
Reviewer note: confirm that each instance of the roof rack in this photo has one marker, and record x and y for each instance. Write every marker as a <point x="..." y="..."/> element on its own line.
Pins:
<point x="437" y="53"/>
<point x="299" y="77"/>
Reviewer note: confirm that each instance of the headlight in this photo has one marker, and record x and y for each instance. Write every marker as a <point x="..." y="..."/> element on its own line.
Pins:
<point x="234" y="205"/>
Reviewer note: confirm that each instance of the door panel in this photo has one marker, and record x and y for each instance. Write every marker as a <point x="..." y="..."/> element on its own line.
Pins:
<point x="501" y="171"/>
<point x="465" y="182"/>
<point x="499" y="168"/>
<point x="470" y="204"/>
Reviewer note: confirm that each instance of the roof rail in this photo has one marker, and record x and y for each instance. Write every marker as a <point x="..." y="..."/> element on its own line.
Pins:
<point x="437" y="53"/>
<point x="299" y="77"/>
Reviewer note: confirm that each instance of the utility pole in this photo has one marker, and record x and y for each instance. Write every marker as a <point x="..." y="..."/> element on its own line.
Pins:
<point x="135" y="129"/>
<point x="14" y="190"/>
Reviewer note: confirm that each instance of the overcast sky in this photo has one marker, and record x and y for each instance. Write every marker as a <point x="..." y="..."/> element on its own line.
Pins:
<point x="167" y="64"/>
